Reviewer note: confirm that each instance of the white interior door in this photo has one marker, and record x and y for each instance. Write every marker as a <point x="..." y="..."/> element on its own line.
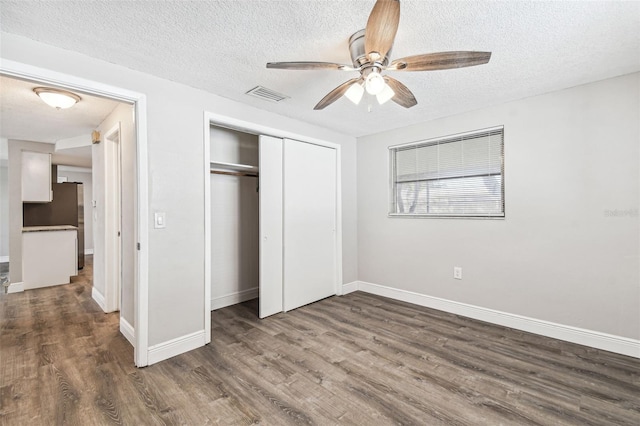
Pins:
<point x="107" y="265"/>
<point x="310" y="218"/>
<point x="271" y="256"/>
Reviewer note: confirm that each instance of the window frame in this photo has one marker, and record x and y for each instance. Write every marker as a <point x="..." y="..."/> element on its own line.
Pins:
<point x="392" y="199"/>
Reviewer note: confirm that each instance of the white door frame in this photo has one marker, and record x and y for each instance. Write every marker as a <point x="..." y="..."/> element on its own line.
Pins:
<point x="215" y="119"/>
<point x="139" y="100"/>
<point x="112" y="238"/>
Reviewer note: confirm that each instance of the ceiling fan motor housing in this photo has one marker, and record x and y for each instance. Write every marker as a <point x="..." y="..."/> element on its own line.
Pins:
<point x="359" y="56"/>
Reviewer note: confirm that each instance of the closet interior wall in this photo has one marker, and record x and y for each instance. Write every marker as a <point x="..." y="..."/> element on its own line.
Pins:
<point x="234" y="217"/>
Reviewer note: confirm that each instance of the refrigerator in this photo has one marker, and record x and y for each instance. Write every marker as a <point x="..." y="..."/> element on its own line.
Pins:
<point x="67" y="208"/>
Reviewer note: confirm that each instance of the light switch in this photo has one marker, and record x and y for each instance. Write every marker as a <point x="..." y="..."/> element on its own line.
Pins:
<point x="160" y="220"/>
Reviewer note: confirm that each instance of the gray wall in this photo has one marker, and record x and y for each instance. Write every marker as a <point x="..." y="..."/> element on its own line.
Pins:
<point x="567" y="251"/>
<point x="176" y="178"/>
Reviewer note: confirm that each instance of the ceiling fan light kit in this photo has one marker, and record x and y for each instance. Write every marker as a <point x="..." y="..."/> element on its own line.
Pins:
<point x="370" y="50"/>
<point x="385" y="95"/>
<point x="374" y="83"/>
<point x="354" y="93"/>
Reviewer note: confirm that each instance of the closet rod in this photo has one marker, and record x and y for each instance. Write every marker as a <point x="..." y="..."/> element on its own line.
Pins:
<point x="220" y="172"/>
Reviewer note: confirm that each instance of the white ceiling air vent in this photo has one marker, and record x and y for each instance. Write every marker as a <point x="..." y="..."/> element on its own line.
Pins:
<point x="266" y="94"/>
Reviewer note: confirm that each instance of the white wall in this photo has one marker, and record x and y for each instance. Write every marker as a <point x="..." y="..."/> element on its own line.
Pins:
<point x="4" y="211"/>
<point x="176" y="184"/>
<point x="562" y="254"/>
<point x="4" y="199"/>
<point x="232" y="146"/>
<point x="78" y="174"/>
<point x="101" y="214"/>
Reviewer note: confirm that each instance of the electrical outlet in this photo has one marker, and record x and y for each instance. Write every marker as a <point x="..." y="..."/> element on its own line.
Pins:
<point x="457" y="272"/>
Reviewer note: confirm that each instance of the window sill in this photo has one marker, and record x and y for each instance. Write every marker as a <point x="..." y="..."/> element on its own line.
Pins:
<point x="433" y="216"/>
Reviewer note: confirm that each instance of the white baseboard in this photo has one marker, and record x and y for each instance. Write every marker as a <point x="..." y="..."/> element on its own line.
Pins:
<point x="234" y="298"/>
<point x="127" y="331"/>
<point x="99" y="299"/>
<point x="88" y="251"/>
<point x="349" y="287"/>
<point x="177" y="346"/>
<point x="4" y="259"/>
<point x="595" y="339"/>
<point x="15" y="287"/>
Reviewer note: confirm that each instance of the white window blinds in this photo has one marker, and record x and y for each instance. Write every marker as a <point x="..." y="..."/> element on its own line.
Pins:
<point x="453" y="176"/>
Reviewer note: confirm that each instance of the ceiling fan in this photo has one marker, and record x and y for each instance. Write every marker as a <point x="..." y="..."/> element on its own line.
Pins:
<point x="370" y="50"/>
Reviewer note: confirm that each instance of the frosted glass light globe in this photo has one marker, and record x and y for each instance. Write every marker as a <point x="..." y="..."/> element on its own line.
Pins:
<point x="57" y="98"/>
<point x="374" y="83"/>
<point x="354" y="93"/>
<point x="385" y="94"/>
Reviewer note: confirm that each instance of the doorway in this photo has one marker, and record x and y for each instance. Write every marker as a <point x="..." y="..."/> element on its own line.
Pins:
<point x="139" y="215"/>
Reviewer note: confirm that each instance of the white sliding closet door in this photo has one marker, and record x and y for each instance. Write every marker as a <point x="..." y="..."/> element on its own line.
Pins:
<point x="271" y="233"/>
<point x="310" y="221"/>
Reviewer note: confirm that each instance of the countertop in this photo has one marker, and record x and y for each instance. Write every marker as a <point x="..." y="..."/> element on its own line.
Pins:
<point x="49" y="228"/>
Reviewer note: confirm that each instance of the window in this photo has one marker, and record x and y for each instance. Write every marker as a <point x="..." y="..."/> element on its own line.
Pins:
<point x="452" y="176"/>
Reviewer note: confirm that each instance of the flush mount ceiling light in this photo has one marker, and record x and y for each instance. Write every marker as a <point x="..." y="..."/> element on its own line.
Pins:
<point x="57" y="98"/>
<point x="370" y="50"/>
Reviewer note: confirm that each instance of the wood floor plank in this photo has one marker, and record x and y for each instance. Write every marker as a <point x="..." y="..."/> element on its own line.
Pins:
<point x="359" y="359"/>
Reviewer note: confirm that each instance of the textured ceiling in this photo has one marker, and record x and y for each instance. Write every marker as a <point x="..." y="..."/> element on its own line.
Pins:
<point x="223" y="46"/>
<point x="23" y="115"/>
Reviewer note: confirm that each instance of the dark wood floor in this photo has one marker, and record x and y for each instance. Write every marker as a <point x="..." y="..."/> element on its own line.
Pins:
<point x="357" y="359"/>
<point x="4" y="273"/>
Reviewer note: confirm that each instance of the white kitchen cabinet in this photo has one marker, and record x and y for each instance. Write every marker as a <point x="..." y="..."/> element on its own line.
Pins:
<point x="49" y="255"/>
<point x="36" y="177"/>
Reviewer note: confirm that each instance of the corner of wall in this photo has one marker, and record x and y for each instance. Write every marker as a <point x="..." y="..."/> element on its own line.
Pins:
<point x="99" y="299"/>
<point x="173" y="347"/>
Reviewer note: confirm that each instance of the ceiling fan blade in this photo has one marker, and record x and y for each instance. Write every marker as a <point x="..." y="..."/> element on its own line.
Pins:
<point x="403" y="95"/>
<point x="381" y="28"/>
<point x="309" y="66"/>
<point x="335" y="94"/>
<point x="440" y="61"/>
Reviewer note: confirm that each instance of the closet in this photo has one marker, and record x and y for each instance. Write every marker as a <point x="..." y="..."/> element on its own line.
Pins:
<point x="274" y="220"/>
<point x="234" y="217"/>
